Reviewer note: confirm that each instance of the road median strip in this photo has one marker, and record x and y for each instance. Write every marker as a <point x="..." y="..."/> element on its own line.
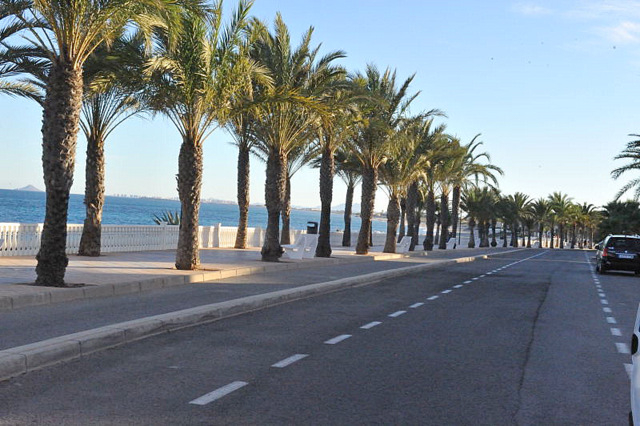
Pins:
<point x="22" y="359"/>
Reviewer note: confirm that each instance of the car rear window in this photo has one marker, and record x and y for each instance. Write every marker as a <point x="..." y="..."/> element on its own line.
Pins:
<point x="624" y="243"/>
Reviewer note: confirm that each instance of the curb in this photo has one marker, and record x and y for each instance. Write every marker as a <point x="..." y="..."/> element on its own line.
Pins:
<point x="27" y="358"/>
<point x="58" y="295"/>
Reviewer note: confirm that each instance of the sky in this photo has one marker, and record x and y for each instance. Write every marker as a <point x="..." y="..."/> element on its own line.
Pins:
<point x="551" y="86"/>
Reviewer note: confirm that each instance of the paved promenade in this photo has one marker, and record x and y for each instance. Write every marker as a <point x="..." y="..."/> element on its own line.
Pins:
<point x="129" y="296"/>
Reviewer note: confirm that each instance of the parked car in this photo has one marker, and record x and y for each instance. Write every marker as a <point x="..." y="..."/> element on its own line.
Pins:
<point x="635" y="371"/>
<point x="619" y="252"/>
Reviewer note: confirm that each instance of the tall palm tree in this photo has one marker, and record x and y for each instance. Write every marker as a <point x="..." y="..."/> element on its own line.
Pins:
<point x="298" y="157"/>
<point x="69" y="32"/>
<point x="518" y="203"/>
<point x="348" y="168"/>
<point x="540" y="210"/>
<point x="468" y="170"/>
<point x="384" y="108"/>
<point x="478" y="203"/>
<point x="192" y="80"/>
<point x="560" y="207"/>
<point x="112" y="80"/>
<point x="300" y="81"/>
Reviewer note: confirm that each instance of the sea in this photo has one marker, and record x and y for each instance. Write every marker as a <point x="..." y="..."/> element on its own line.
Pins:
<point x="29" y="207"/>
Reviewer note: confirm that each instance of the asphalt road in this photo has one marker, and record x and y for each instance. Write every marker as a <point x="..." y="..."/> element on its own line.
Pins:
<point x="526" y="338"/>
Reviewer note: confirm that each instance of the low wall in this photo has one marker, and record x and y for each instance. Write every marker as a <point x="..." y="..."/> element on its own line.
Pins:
<point x="23" y="239"/>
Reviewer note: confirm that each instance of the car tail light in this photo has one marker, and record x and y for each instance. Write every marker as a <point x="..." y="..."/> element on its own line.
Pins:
<point x="605" y="252"/>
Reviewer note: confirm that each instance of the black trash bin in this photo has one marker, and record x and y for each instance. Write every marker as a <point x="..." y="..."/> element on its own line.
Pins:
<point x="312" y="227"/>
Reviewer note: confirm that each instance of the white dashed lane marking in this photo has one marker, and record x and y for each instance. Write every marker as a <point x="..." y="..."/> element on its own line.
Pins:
<point x="288" y="361"/>
<point x="218" y="393"/>
<point x="607" y="310"/>
<point x="445" y="291"/>
<point x="611" y="320"/>
<point x="397" y="314"/>
<point x="467" y="282"/>
<point x="337" y="339"/>
<point x="616" y="332"/>
<point x="623" y="348"/>
<point x="458" y="286"/>
<point x="433" y="298"/>
<point x="370" y="325"/>
<point x="416" y="305"/>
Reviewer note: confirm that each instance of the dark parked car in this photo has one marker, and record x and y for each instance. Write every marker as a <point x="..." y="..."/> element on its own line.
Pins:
<point x="619" y="252"/>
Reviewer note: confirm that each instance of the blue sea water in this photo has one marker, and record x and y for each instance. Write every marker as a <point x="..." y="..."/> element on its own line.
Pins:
<point x="28" y="207"/>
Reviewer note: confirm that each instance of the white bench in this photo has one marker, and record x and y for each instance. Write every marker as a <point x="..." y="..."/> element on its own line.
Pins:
<point x="404" y="244"/>
<point x="304" y="247"/>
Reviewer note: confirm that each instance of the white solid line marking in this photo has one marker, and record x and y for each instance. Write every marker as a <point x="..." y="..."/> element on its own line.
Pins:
<point x="629" y="369"/>
<point x="467" y="282"/>
<point x="604" y="301"/>
<point x="370" y="325"/>
<point x="288" y="361"/>
<point x="623" y="348"/>
<point x="416" y="305"/>
<point x="458" y="286"/>
<point x="446" y="291"/>
<point x="616" y="332"/>
<point x="337" y="339"/>
<point x="218" y="393"/>
<point x="607" y="310"/>
<point x="397" y="314"/>
<point x="611" y="320"/>
<point x="433" y="298"/>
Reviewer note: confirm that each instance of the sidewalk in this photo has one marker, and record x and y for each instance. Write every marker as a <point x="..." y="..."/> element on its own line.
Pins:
<point x="37" y="336"/>
<point x="124" y="273"/>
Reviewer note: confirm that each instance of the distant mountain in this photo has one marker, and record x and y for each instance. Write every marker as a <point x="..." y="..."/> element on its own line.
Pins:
<point x="29" y="188"/>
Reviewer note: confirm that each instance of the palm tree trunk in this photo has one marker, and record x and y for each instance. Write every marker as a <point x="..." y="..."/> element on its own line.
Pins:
<point x="348" y="206"/>
<point x="93" y="197"/>
<point x="437" y="236"/>
<point x="327" y="166"/>
<point x="60" y="124"/>
<point x="444" y="220"/>
<point x="431" y="220"/>
<point x="393" y="218"/>
<point x="540" y="233"/>
<point x="472" y="239"/>
<point x="412" y="202"/>
<point x="574" y="236"/>
<point x="369" y="181"/>
<point x="551" y="242"/>
<point x="561" y="234"/>
<point x="285" y="237"/>
<point x="189" y="186"/>
<point x="455" y="204"/>
<point x="514" y="235"/>
<point x="481" y="231"/>
<point x="504" y="231"/>
<point x="243" y="195"/>
<point x="273" y="195"/>
<point x="494" y="223"/>
<point x="528" y="238"/>
<point x="403" y="216"/>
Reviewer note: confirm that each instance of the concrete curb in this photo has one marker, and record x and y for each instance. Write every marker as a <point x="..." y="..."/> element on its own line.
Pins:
<point x="58" y="295"/>
<point x="23" y="359"/>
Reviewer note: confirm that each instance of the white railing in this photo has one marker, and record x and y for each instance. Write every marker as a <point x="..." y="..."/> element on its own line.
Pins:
<point x="23" y="239"/>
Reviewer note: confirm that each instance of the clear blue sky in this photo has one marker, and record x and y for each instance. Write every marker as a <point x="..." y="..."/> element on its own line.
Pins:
<point x="552" y="86"/>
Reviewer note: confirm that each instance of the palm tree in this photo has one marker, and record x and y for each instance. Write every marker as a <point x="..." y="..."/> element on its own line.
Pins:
<point x="69" y="32"/>
<point x="112" y="79"/>
<point x="518" y="203"/>
<point x="192" y="80"/>
<point x="560" y="206"/>
<point x="469" y="171"/>
<point x="300" y="82"/>
<point x="348" y="168"/>
<point x="298" y="157"/>
<point x="382" y="111"/>
<point x="478" y="203"/>
<point x="632" y="153"/>
<point x="540" y="210"/>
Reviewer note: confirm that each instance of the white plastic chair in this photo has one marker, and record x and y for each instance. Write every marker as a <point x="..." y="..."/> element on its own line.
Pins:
<point x="310" y="245"/>
<point x="296" y="250"/>
<point x="404" y="245"/>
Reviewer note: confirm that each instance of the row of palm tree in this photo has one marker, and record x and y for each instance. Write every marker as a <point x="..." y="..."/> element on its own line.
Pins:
<point x="92" y="65"/>
<point x="564" y="221"/>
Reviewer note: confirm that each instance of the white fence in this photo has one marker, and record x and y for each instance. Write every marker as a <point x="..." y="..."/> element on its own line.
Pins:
<point x="23" y="239"/>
